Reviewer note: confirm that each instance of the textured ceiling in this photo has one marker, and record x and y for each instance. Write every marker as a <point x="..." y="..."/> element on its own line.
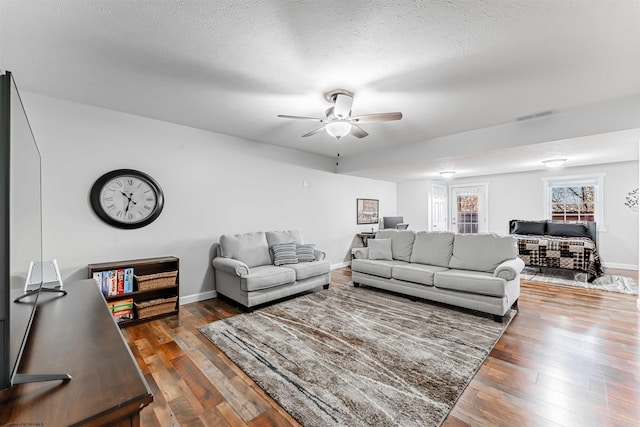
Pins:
<point x="233" y="66"/>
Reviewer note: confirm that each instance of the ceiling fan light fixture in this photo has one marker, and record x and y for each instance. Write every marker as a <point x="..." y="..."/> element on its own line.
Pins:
<point x="338" y="129"/>
<point x="447" y="174"/>
<point x="554" y="163"/>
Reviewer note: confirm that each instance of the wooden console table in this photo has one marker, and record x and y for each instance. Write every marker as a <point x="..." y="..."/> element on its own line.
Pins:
<point x="365" y="237"/>
<point x="76" y="335"/>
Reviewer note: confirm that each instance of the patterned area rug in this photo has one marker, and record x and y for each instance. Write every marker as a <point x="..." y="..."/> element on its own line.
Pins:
<point x="359" y="357"/>
<point x="608" y="282"/>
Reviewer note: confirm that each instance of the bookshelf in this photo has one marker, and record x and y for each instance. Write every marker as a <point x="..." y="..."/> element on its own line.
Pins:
<point x="154" y="292"/>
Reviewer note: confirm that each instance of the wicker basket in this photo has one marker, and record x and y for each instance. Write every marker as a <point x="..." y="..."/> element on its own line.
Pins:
<point x="157" y="306"/>
<point x="156" y="281"/>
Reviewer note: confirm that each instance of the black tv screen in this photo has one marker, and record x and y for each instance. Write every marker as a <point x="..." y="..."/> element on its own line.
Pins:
<point x="20" y="225"/>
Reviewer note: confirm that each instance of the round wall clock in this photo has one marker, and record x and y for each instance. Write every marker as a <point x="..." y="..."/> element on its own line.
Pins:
<point x="127" y="198"/>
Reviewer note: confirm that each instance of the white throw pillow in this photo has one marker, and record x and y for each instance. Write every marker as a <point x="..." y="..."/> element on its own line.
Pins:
<point x="380" y="249"/>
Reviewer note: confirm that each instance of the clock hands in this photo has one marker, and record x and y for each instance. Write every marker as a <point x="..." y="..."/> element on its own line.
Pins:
<point x="129" y="201"/>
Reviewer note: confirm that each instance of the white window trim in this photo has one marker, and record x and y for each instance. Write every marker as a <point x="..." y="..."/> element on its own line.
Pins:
<point x="547" y="182"/>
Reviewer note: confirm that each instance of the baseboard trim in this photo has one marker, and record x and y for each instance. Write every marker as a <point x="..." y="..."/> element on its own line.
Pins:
<point x="202" y="296"/>
<point x="340" y="265"/>
<point x="620" y="266"/>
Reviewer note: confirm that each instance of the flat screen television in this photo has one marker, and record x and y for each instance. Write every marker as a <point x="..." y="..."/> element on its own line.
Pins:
<point x="20" y="231"/>
<point x="392" y="221"/>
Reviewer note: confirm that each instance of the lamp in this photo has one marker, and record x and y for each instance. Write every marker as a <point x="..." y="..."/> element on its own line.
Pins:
<point x="553" y="163"/>
<point x="447" y="174"/>
<point x="338" y="128"/>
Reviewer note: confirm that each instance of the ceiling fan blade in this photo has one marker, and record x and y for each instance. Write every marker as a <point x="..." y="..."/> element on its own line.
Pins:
<point x="358" y="132"/>
<point x="284" y="116"/>
<point x="313" y="132"/>
<point x="373" y="118"/>
<point x="342" y="106"/>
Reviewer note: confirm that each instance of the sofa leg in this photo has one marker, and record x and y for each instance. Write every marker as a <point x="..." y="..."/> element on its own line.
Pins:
<point x="356" y="285"/>
<point x="498" y="318"/>
<point x="325" y="286"/>
<point x="515" y="304"/>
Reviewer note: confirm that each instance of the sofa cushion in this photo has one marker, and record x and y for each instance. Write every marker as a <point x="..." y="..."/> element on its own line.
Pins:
<point x="416" y="273"/>
<point x="304" y="270"/>
<point x="567" y="230"/>
<point x="375" y="268"/>
<point x="379" y="249"/>
<point x="250" y="248"/>
<point x="286" y="236"/>
<point x="284" y="253"/>
<point x="433" y="248"/>
<point x="482" y="252"/>
<point x="529" y="227"/>
<point x="266" y="276"/>
<point x="474" y="282"/>
<point x="306" y="253"/>
<point x="401" y="242"/>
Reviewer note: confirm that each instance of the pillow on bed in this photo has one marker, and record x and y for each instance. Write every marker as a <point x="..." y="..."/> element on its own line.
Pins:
<point x="529" y="227"/>
<point x="567" y="230"/>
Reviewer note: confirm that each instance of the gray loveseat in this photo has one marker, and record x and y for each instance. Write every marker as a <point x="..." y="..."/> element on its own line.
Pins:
<point x="475" y="271"/>
<point x="244" y="267"/>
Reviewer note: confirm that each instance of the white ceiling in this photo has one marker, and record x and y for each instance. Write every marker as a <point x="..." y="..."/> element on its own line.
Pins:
<point x="233" y="66"/>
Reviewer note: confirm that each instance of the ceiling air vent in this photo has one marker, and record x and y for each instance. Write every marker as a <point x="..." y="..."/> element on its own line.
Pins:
<point x="535" y="115"/>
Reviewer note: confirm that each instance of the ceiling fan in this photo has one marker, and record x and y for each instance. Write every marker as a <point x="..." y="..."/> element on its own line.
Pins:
<point x="338" y="121"/>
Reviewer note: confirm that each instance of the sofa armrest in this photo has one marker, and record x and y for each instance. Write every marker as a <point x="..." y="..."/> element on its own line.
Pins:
<point x="319" y="254"/>
<point x="509" y="269"/>
<point x="230" y="265"/>
<point x="360" y="253"/>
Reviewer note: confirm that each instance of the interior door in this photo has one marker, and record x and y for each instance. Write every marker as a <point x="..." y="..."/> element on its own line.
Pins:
<point x="469" y="209"/>
<point x="439" y="208"/>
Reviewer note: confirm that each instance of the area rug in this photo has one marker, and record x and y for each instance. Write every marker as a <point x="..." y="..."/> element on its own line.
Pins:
<point x="608" y="282"/>
<point x="359" y="357"/>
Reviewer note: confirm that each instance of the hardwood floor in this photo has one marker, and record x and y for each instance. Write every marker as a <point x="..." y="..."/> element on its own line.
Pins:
<point x="571" y="357"/>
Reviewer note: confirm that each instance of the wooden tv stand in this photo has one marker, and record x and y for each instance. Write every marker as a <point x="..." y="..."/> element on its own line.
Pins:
<point x="76" y="335"/>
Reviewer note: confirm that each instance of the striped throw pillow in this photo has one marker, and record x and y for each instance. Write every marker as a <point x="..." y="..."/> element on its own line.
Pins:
<point x="305" y="252"/>
<point x="284" y="253"/>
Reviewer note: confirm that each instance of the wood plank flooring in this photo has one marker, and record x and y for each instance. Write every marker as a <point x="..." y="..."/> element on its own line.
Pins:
<point x="571" y="357"/>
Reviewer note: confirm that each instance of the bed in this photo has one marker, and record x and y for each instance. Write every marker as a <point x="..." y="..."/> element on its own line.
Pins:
<point x="550" y="244"/>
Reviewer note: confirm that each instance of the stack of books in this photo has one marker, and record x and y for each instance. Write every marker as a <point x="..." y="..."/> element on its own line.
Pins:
<point x="121" y="309"/>
<point x="114" y="282"/>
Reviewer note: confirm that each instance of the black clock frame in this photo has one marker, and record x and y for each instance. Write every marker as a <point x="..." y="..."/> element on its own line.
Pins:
<point x="96" y="189"/>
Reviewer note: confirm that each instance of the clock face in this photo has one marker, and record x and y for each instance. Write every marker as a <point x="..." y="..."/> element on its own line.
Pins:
<point x="127" y="198"/>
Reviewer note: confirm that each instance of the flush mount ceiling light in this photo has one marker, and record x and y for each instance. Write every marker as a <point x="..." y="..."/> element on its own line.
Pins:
<point x="554" y="163"/>
<point x="447" y="174"/>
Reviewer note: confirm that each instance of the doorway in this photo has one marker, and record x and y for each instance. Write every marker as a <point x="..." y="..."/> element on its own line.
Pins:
<point x="469" y="208"/>
<point x="439" y="208"/>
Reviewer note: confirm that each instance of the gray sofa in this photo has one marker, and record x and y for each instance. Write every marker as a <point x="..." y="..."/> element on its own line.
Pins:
<point x="244" y="269"/>
<point x="475" y="271"/>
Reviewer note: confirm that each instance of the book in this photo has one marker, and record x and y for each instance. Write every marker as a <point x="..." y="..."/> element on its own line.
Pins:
<point x="113" y="283"/>
<point x="97" y="276"/>
<point x="128" y="280"/>
<point x="106" y="284"/>
<point x="120" y="278"/>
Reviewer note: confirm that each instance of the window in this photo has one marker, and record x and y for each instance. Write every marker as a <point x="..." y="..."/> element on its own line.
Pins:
<point x="574" y="198"/>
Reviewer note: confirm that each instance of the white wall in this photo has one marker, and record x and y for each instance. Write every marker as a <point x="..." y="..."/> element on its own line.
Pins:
<point x="413" y="203"/>
<point x="213" y="184"/>
<point x="520" y="195"/>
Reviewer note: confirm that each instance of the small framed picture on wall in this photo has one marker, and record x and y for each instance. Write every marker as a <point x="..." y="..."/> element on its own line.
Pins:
<point x="367" y="211"/>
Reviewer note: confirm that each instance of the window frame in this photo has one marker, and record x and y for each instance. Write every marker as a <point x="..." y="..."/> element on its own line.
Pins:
<point x="595" y="179"/>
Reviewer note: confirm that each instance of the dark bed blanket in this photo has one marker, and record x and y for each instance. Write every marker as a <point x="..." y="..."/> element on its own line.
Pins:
<point x="574" y="253"/>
